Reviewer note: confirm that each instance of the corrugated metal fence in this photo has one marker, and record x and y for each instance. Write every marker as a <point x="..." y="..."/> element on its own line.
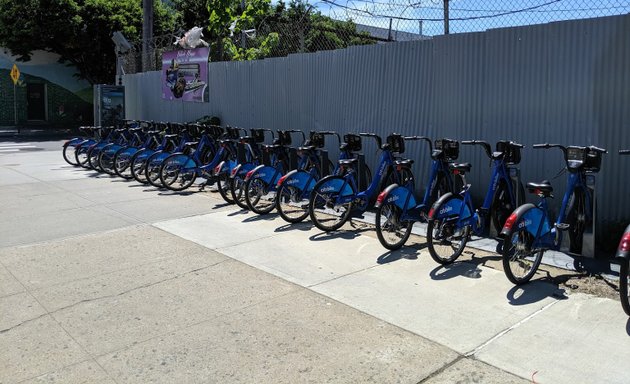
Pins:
<point x="566" y="82"/>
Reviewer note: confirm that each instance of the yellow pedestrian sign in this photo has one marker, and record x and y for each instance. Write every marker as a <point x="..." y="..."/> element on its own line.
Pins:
<point x="15" y="74"/>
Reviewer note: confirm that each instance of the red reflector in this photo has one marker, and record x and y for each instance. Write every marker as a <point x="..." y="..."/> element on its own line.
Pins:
<point x="431" y="211"/>
<point x="381" y="197"/>
<point x="217" y="169"/>
<point x="398" y="168"/>
<point x="234" y="172"/>
<point x="249" y="174"/>
<point x="510" y="222"/>
<point x="282" y="179"/>
<point x="537" y="192"/>
<point x="624" y="244"/>
<point x="456" y="172"/>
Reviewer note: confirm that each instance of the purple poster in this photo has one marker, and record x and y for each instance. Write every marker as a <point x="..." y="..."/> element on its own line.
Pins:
<point x="185" y="75"/>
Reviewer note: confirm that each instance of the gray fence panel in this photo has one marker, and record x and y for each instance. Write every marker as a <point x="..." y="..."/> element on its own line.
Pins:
<point x="565" y="82"/>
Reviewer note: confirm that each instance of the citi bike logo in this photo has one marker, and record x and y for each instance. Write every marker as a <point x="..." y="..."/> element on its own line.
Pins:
<point x="495" y="182"/>
<point x="295" y="181"/>
<point x="393" y="198"/>
<point x="327" y="189"/>
<point x="380" y="171"/>
<point x="261" y="175"/>
<point x="524" y="223"/>
<point x="446" y="209"/>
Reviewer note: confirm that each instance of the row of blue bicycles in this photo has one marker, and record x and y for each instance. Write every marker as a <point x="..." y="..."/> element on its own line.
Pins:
<point x="262" y="171"/>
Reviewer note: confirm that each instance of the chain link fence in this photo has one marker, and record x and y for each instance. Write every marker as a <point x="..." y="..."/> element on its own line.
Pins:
<point x="335" y="24"/>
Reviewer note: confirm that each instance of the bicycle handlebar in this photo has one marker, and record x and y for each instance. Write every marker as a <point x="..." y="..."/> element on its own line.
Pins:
<point x="428" y="140"/>
<point x="332" y="133"/>
<point x="297" y="131"/>
<point x="486" y="146"/>
<point x="624" y="151"/>
<point x="597" y="149"/>
<point x="378" y="139"/>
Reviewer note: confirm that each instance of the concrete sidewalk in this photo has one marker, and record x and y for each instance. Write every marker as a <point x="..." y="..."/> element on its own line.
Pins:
<point x="103" y="280"/>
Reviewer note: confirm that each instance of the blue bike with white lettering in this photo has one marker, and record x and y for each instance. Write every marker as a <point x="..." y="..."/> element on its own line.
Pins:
<point x="453" y="219"/>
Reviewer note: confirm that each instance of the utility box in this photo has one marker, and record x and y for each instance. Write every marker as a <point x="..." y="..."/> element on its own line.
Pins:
<point x="109" y="104"/>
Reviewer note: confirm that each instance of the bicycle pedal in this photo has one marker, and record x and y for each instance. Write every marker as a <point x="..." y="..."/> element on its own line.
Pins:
<point x="562" y="226"/>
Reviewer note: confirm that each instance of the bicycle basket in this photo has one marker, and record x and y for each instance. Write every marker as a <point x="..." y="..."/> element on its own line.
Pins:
<point x="593" y="161"/>
<point x="511" y="153"/>
<point x="449" y="147"/>
<point x="284" y="138"/>
<point x="232" y="133"/>
<point x="353" y="141"/>
<point x="258" y="135"/>
<point x="396" y="143"/>
<point x="316" y="139"/>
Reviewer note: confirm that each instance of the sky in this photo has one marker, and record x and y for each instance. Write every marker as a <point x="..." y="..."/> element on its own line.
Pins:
<point x="466" y="15"/>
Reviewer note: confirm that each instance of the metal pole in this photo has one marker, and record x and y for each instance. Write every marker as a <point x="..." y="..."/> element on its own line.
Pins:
<point x="147" y="33"/>
<point x="446" y="20"/>
<point x="15" y="108"/>
<point x="389" y="33"/>
<point x="243" y="34"/>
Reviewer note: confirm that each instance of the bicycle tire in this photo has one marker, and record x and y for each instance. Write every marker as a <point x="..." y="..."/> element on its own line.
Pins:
<point x="122" y="163"/>
<point x="138" y="162"/>
<point x="223" y="185"/>
<point x="68" y="153"/>
<point x="152" y="169"/>
<point x="624" y="266"/>
<point x="92" y="156"/>
<point x="256" y="191"/>
<point x="80" y="154"/>
<point x="237" y="189"/>
<point x="322" y="209"/>
<point x="576" y="218"/>
<point x="445" y="241"/>
<point x="292" y="203"/>
<point x="106" y="160"/>
<point x="175" y="175"/>
<point x="392" y="233"/>
<point x="502" y="207"/>
<point x="517" y="255"/>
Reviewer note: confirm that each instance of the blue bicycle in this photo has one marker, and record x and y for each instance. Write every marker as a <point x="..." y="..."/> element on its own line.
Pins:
<point x="453" y="219"/>
<point x="623" y="258"/>
<point x="335" y="197"/>
<point x="529" y="232"/>
<point x="397" y="208"/>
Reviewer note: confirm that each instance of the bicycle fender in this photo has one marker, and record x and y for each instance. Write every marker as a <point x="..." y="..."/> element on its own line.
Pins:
<point x="623" y="249"/>
<point x="252" y="172"/>
<point x="266" y="173"/>
<point x="235" y="170"/>
<point x="335" y="184"/>
<point x="395" y="194"/>
<point x="528" y="216"/>
<point x="447" y="206"/>
<point x="73" y="142"/>
<point x="298" y="179"/>
<point x="220" y="168"/>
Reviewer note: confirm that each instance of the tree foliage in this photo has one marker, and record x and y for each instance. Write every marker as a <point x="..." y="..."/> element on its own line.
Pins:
<point x="79" y="31"/>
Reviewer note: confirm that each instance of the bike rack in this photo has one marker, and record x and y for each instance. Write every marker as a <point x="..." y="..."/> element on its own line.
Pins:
<point x="323" y="162"/>
<point x="588" y="238"/>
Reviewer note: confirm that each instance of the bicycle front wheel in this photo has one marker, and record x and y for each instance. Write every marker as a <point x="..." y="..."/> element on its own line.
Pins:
<point x="520" y="261"/>
<point x="259" y="196"/>
<point x="392" y="232"/>
<point x="292" y="203"/>
<point x="176" y="173"/>
<point x="326" y="212"/>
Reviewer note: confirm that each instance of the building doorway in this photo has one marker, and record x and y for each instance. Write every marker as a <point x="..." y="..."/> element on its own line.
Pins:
<point x="36" y="102"/>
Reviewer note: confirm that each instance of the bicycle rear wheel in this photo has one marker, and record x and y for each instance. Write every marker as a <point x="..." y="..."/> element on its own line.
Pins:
<point x="122" y="163"/>
<point x="391" y="231"/>
<point x="106" y="159"/>
<point x="576" y="218"/>
<point x="446" y="240"/>
<point x="178" y="172"/>
<point x="152" y="168"/>
<point x="624" y="292"/>
<point x="502" y="205"/>
<point x="326" y="212"/>
<point x="259" y="196"/>
<point x="292" y="203"/>
<point x="520" y="261"/>
<point x="80" y="154"/>
<point x="223" y="185"/>
<point x="237" y="189"/>
<point x="92" y="157"/>
<point x="138" y="162"/>
<point x="69" y="155"/>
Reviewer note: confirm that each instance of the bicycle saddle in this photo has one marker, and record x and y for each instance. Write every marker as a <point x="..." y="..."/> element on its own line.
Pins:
<point x="170" y="136"/>
<point x="404" y="162"/>
<point x="348" y="161"/>
<point x="461" y="167"/>
<point x="307" y="148"/>
<point x="544" y="187"/>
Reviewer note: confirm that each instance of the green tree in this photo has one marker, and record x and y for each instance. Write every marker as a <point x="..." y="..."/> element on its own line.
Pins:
<point x="79" y="31"/>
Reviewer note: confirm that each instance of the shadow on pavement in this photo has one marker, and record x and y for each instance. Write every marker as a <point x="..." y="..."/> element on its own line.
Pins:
<point x="406" y="252"/>
<point x="297" y="226"/>
<point x="457" y="269"/>
<point x="267" y="217"/>
<point x="339" y="234"/>
<point x="533" y="292"/>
